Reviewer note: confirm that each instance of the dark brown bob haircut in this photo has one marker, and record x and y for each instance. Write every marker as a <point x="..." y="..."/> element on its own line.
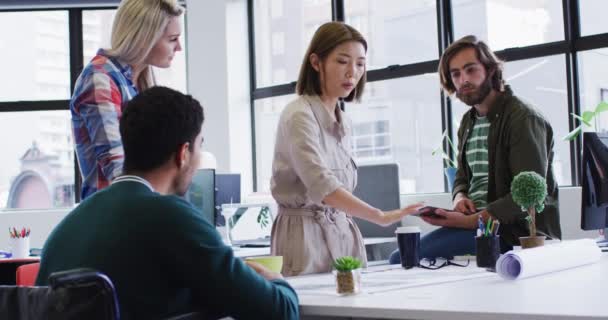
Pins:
<point x="488" y="59"/>
<point x="324" y="41"/>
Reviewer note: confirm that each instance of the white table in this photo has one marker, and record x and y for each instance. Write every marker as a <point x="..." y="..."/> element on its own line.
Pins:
<point x="578" y="293"/>
<point x="252" y="252"/>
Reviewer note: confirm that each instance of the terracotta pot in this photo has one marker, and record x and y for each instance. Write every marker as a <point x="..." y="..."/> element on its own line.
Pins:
<point x="532" y="242"/>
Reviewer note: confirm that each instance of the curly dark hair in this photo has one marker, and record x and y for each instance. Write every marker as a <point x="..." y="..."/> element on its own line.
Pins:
<point x="155" y="124"/>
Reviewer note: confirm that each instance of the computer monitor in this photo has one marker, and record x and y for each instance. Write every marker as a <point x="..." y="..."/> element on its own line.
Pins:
<point x="378" y="185"/>
<point x="201" y="193"/>
<point x="595" y="181"/>
<point x="248" y="225"/>
<point x="227" y="191"/>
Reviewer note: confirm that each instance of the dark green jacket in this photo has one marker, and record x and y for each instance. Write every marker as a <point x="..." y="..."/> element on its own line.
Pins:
<point x="520" y="139"/>
<point x="163" y="258"/>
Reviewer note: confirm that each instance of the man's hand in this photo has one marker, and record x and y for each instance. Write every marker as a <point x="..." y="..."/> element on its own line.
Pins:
<point x="263" y="271"/>
<point x="463" y="204"/>
<point x="452" y="219"/>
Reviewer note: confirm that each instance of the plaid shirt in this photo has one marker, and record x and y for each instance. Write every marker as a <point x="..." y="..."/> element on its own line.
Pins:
<point x="100" y="93"/>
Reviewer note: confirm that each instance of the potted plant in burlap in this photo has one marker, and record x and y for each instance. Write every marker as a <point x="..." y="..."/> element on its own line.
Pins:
<point x="348" y="275"/>
<point x="529" y="190"/>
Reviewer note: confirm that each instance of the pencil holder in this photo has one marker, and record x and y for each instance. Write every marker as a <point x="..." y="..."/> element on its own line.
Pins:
<point x="487" y="251"/>
<point x="20" y="247"/>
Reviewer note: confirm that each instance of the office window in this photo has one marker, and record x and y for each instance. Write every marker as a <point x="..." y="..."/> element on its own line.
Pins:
<point x="35" y="54"/>
<point x="593" y="16"/>
<point x="372" y="140"/>
<point x="275" y="51"/>
<point x="37" y="163"/>
<point x="96" y="33"/>
<point x="542" y="83"/>
<point x="593" y="67"/>
<point x="509" y="23"/>
<point x="267" y="114"/>
<point x="399" y="121"/>
<point x="397" y="32"/>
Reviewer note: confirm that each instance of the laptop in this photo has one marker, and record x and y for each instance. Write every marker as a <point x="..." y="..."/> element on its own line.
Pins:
<point x="248" y="225"/>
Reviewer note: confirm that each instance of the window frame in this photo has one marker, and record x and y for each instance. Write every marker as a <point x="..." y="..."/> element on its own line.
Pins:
<point x="572" y="44"/>
<point x="76" y="62"/>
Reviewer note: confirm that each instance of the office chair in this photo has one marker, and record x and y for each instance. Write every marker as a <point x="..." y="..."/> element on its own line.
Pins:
<point x="26" y="274"/>
<point x="72" y="294"/>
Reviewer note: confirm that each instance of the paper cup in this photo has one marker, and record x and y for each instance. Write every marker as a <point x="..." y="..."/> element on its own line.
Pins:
<point x="408" y="240"/>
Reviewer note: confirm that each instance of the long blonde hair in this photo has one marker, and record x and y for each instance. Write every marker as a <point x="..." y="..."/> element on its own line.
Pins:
<point x="137" y="27"/>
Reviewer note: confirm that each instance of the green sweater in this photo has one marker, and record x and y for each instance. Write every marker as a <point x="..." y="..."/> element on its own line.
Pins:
<point x="163" y="258"/>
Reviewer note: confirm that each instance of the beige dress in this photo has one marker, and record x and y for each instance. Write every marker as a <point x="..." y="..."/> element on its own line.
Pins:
<point x="312" y="159"/>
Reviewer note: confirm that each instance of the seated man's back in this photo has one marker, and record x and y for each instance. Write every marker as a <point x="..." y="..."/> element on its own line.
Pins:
<point x="163" y="257"/>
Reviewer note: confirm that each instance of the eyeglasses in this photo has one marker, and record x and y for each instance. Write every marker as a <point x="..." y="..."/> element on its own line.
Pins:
<point x="434" y="264"/>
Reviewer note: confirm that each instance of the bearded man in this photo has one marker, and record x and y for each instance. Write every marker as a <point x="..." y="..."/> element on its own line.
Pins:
<point x="499" y="137"/>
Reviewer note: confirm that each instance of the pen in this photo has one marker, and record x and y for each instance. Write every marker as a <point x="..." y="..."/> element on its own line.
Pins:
<point x="496" y="225"/>
<point x="488" y="226"/>
<point x="480" y="224"/>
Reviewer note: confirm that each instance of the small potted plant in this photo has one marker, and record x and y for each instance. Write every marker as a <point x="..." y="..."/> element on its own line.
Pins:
<point x="450" y="165"/>
<point x="348" y="275"/>
<point x="529" y="190"/>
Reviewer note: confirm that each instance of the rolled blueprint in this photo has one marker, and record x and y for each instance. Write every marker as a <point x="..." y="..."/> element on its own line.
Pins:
<point x="546" y="259"/>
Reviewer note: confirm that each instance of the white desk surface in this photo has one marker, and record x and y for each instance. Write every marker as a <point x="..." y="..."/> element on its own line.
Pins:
<point x="578" y="293"/>
<point x="252" y="252"/>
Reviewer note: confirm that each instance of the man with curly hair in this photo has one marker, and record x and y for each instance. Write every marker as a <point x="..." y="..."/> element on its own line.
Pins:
<point x="500" y="136"/>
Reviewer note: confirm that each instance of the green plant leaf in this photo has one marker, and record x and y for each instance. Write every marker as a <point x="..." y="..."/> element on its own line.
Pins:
<point x="347" y="263"/>
<point x="581" y="119"/>
<point x="440" y="151"/>
<point x="601" y="107"/>
<point x="436" y="151"/>
<point x="588" y="116"/>
<point x="264" y="217"/>
<point x="529" y="189"/>
<point x="573" y="134"/>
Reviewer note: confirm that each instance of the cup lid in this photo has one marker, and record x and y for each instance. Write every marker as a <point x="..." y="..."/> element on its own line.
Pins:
<point x="408" y="229"/>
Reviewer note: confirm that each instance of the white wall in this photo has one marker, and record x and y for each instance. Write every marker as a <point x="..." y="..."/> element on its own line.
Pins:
<point x="207" y="76"/>
<point x="218" y="76"/>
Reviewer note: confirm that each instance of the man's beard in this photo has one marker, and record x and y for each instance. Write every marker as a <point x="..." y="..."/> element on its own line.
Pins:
<point x="477" y="96"/>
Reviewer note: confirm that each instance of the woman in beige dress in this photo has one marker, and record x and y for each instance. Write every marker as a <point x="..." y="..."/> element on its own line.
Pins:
<point x="313" y="172"/>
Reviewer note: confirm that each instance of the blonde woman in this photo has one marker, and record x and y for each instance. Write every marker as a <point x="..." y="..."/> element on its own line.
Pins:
<point x="313" y="172"/>
<point x="145" y="33"/>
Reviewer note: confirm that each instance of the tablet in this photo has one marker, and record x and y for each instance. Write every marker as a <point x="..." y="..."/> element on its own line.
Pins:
<point x="428" y="211"/>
